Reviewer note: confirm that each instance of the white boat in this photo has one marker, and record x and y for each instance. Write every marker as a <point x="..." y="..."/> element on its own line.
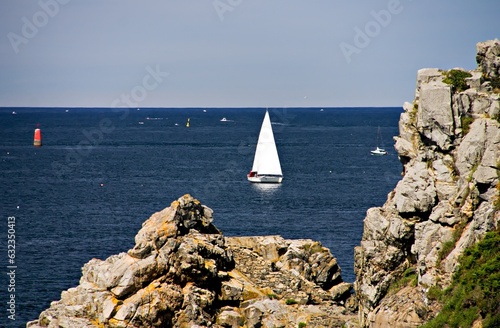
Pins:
<point x="378" y="151"/>
<point x="224" y="119"/>
<point x="266" y="166"/>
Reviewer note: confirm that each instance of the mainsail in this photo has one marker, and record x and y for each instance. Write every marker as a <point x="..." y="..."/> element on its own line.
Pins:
<point x="266" y="161"/>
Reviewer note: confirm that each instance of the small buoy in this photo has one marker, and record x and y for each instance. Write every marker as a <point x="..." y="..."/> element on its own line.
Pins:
<point x="17" y="206"/>
<point x="37" y="142"/>
<point x="102" y="184"/>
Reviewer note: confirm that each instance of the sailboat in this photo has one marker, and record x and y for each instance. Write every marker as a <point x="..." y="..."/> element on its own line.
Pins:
<point x="378" y="151"/>
<point x="266" y="166"/>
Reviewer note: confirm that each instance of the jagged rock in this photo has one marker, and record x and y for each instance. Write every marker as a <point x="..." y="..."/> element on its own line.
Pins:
<point x="474" y="82"/>
<point x="429" y="238"/>
<point x="182" y="273"/>
<point x="230" y="317"/>
<point x="416" y="192"/>
<point x="404" y="309"/>
<point x="446" y="201"/>
<point x="488" y="57"/>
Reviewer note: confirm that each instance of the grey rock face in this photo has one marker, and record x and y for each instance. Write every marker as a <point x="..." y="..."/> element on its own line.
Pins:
<point x="449" y="145"/>
<point x="435" y="119"/>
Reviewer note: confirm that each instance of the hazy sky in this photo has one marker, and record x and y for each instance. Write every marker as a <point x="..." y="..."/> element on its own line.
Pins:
<point x="232" y="53"/>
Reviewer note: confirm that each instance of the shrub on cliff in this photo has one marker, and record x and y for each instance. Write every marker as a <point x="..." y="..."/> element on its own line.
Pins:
<point x="495" y="84"/>
<point x="456" y="78"/>
<point x="475" y="290"/>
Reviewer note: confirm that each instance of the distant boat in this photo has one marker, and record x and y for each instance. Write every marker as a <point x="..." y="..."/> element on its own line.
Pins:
<point x="141" y="122"/>
<point x="187" y="123"/>
<point x="14" y="113"/>
<point x="378" y="151"/>
<point x="224" y="119"/>
<point x="266" y="166"/>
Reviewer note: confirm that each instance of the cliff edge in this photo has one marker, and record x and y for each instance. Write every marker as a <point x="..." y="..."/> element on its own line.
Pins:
<point x="448" y="198"/>
<point x="182" y="272"/>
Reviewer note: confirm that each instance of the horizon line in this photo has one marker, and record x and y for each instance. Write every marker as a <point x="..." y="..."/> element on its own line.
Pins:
<point x="193" y="107"/>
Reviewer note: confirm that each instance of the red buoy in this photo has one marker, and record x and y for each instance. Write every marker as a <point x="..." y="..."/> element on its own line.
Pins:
<point x="37" y="142"/>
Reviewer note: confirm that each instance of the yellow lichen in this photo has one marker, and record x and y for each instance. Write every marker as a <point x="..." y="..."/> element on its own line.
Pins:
<point x="97" y="323"/>
<point x="210" y="265"/>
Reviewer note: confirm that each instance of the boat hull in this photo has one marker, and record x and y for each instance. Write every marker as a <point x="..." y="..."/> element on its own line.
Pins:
<point x="265" y="179"/>
<point x="379" y="152"/>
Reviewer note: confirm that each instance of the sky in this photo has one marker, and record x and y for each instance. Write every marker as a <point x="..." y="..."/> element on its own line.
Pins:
<point x="232" y="53"/>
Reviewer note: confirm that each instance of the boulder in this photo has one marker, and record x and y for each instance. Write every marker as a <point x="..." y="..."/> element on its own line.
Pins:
<point x="416" y="192"/>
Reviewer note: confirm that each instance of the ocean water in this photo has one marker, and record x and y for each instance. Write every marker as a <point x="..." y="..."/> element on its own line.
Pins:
<point x="102" y="172"/>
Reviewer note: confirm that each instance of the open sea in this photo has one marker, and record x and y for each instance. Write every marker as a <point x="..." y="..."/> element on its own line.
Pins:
<point x="102" y="172"/>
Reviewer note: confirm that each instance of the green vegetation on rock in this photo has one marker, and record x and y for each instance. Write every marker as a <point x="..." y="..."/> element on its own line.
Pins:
<point x="449" y="245"/>
<point x="407" y="278"/>
<point x="456" y="78"/>
<point x="466" y="122"/>
<point x="474" y="293"/>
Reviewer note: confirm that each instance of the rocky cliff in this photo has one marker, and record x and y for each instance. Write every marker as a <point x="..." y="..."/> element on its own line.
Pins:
<point x="182" y="272"/>
<point x="448" y="198"/>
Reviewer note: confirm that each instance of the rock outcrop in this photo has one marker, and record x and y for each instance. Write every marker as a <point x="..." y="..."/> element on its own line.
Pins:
<point x="182" y="272"/>
<point x="448" y="198"/>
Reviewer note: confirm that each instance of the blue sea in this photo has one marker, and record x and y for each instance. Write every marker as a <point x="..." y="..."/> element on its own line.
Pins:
<point x="102" y="172"/>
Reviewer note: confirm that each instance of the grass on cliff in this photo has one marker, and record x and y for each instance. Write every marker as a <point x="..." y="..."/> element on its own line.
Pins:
<point x="407" y="278"/>
<point x="466" y="122"/>
<point x="449" y="246"/>
<point x="475" y="290"/>
<point x="456" y="78"/>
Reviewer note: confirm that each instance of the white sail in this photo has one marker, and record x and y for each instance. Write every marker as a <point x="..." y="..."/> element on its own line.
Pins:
<point x="266" y="161"/>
